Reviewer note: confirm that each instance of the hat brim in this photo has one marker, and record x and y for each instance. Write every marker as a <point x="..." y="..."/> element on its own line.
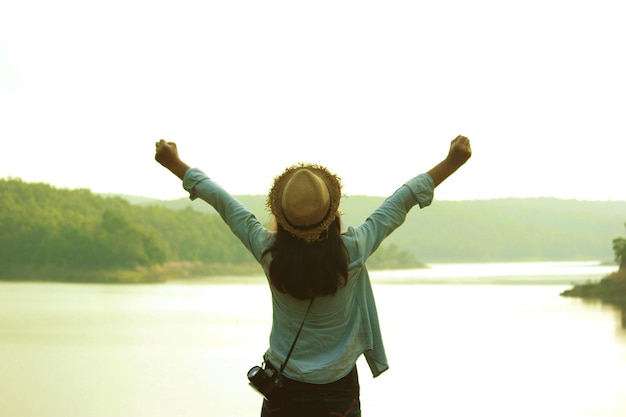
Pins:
<point x="333" y="183"/>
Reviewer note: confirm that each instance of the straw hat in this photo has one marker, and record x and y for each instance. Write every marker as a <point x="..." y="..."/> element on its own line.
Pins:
<point x="304" y="199"/>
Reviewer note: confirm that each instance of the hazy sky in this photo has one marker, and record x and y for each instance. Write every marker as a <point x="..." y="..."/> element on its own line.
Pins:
<point x="373" y="90"/>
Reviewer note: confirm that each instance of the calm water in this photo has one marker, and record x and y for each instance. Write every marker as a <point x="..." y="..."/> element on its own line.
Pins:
<point x="494" y="340"/>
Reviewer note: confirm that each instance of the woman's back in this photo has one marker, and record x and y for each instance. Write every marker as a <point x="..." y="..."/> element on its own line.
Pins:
<point x="320" y="378"/>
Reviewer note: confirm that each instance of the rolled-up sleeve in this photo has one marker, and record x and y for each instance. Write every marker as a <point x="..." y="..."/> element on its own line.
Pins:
<point x="423" y="188"/>
<point x="392" y="213"/>
<point x="242" y="222"/>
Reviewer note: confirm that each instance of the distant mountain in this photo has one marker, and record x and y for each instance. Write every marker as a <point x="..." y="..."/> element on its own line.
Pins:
<point x="510" y="229"/>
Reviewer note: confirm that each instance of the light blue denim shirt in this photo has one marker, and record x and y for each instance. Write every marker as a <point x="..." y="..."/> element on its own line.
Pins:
<point x="340" y="327"/>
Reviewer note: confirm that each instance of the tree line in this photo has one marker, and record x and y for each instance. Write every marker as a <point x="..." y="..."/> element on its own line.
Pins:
<point x="497" y="230"/>
<point x="46" y="230"/>
<point x="619" y="248"/>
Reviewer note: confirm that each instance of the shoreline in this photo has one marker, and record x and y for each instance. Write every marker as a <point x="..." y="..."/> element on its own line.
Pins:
<point x="610" y="290"/>
<point x="510" y="273"/>
<point x="168" y="272"/>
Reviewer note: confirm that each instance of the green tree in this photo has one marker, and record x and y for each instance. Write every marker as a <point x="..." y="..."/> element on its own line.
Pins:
<point x="122" y="244"/>
<point x="619" y="247"/>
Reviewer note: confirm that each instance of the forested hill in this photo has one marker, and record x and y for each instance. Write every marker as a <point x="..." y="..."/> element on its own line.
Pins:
<point x="511" y="229"/>
<point x="75" y="235"/>
<point x="64" y="234"/>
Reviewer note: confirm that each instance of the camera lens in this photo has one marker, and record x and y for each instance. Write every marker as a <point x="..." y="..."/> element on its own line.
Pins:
<point x="254" y="372"/>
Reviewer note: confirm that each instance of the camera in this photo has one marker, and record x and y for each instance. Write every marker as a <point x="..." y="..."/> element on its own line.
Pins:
<point x="266" y="381"/>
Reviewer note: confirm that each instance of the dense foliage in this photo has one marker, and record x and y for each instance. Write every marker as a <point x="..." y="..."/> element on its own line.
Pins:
<point x="44" y="228"/>
<point x="619" y="248"/>
<point x="499" y="230"/>
<point x="48" y="231"/>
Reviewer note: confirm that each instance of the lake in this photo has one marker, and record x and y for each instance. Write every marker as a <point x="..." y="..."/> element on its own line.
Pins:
<point x="477" y="339"/>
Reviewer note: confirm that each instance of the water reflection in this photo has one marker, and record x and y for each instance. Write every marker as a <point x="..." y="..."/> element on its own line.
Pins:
<point x="620" y="315"/>
<point x="618" y="306"/>
<point x="622" y="309"/>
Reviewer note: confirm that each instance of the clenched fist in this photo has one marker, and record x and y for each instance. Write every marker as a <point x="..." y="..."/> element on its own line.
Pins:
<point x="166" y="154"/>
<point x="460" y="151"/>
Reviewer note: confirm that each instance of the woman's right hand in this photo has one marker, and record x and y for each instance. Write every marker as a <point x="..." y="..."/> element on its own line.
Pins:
<point x="460" y="151"/>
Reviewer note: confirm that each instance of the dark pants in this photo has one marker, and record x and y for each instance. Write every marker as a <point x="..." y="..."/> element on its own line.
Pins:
<point x="299" y="399"/>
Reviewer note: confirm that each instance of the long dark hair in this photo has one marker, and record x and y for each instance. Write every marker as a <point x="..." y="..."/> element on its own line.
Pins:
<point x="305" y="270"/>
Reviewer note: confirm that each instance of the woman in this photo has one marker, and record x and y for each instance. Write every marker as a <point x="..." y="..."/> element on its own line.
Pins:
<point x="322" y="300"/>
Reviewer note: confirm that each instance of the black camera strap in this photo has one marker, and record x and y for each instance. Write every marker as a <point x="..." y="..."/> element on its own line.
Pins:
<point x="282" y="367"/>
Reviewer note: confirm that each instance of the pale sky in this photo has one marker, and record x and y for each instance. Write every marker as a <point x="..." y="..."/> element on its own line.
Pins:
<point x="373" y="90"/>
